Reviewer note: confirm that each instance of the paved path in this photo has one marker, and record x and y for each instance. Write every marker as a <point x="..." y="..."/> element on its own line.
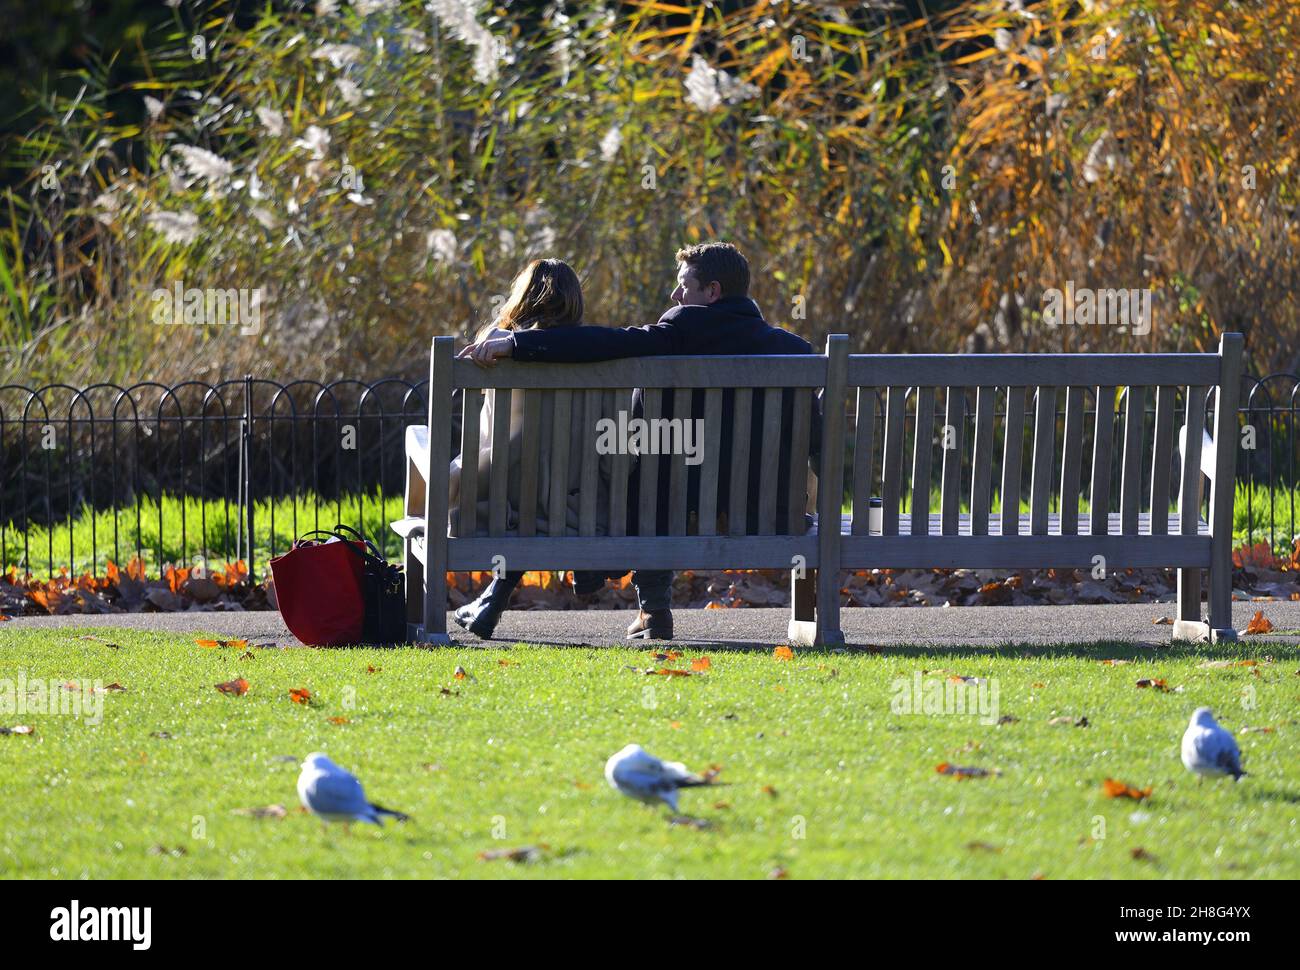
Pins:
<point x="973" y="626"/>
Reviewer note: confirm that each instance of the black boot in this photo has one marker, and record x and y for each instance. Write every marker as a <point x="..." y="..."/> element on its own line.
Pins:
<point x="651" y="625"/>
<point x="480" y="617"/>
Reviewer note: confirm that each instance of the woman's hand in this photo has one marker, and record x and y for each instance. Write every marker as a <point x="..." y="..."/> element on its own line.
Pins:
<point x="487" y="352"/>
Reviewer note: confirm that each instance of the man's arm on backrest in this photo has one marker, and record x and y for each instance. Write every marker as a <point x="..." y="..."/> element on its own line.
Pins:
<point x="584" y="345"/>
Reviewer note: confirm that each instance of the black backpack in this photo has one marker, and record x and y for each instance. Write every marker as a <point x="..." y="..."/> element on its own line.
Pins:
<point x="383" y="590"/>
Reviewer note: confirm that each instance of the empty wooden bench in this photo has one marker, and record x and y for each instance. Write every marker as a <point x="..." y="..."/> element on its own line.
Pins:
<point x="966" y="423"/>
<point x="990" y="421"/>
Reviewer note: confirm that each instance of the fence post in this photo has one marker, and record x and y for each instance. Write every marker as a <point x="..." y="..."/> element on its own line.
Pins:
<point x="246" y="458"/>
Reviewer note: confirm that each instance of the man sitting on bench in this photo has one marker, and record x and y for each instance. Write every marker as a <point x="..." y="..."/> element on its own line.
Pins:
<point x="714" y="315"/>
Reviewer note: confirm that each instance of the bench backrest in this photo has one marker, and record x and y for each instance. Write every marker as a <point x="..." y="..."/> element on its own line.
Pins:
<point x="1081" y="431"/>
<point x="1117" y="448"/>
<point x="743" y="393"/>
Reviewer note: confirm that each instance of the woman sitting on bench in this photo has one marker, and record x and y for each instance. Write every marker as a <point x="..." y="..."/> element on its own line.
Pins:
<point x="546" y="294"/>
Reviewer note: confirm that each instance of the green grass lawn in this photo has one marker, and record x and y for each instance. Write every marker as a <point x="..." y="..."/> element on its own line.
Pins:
<point x="825" y="780"/>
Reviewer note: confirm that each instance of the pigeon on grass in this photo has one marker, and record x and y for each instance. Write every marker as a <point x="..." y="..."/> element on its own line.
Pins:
<point x="640" y="775"/>
<point x="1209" y="749"/>
<point x="334" y="795"/>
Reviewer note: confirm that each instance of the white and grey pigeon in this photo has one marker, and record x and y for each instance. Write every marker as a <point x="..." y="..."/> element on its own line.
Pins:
<point x="335" y="795"/>
<point x="640" y="775"/>
<point x="1209" y="749"/>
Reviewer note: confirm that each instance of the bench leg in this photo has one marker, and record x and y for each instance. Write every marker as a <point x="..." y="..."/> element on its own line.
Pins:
<point x="434" y="628"/>
<point x="828" y="608"/>
<point x="414" y="572"/>
<point x="803" y="606"/>
<point x="1188" y="624"/>
<point x="1221" y="628"/>
<point x="815" y="609"/>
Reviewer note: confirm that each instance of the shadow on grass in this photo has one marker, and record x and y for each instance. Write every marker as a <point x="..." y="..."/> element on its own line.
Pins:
<point x="1282" y="653"/>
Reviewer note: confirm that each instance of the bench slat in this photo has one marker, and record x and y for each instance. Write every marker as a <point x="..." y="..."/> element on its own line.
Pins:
<point x="677" y="476"/>
<point x="982" y="461"/>
<point x="532" y="433"/>
<point x="1189" y="492"/>
<point x="500" y="467"/>
<point x="1013" y="446"/>
<point x="1130" y="500"/>
<point x="1050" y="370"/>
<point x="857" y="552"/>
<point x="1040" y="483"/>
<point x="771" y="462"/>
<point x="1103" y="434"/>
<point x="799" y="442"/>
<point x="953" y="441"/>
<point x="892" y="486"/>
<point x="707" y="524"/>
<point x="922" y="445"/>
<point x="865" y="416"/>
<point x="557" y="506"/>
<point x="742" y="417"/>
<point x="1023" y="552"/>
<point x="472" y="402"/>
<point x="619" y="467"/>
<point x="1071" y="460"/>
<point x="648" y="505"/>
<point x="1164" y="450"/>
<point x="590" y="464"/>
<point x="771" y="370"/>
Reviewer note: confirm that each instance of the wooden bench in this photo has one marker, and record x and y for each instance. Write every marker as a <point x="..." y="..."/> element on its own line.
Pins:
<point x="1132" y="471"/>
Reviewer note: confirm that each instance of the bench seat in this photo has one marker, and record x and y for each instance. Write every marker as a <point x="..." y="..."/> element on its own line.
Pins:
<point x="1113" y="524"/>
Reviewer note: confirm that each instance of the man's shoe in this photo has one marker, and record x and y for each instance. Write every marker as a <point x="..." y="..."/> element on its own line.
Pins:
<point x="480" y="617"/>
<point x="655" y="625"/>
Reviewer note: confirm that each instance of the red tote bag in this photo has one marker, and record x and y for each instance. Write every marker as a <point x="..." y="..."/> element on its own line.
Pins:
<point x="319" y="593"/>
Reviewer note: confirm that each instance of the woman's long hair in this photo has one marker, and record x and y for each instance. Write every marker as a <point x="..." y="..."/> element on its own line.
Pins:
<point x="545" y="294"/>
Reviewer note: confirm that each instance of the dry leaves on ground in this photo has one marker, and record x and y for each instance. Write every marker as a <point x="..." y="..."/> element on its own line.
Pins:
<point x="1112" y="788"/>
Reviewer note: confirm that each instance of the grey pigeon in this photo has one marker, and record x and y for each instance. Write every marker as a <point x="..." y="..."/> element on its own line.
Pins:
<point x="640" y="775"/>
<point x="334" y="795"/>
<point x="1209" y="749"/>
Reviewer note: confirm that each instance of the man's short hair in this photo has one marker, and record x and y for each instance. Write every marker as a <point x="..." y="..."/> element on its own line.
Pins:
<point x="718" y="262"/>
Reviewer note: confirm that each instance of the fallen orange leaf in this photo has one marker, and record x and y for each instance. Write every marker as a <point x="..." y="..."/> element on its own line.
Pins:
<point x="1259" y="623"/>
<point x="1159" y="685"/>
<point x="339" y="720"/>
<point x="962" y="772"/>
<point x="702" y="663"/>
<point x="237" y="687"/>
<point x="1117" y="789"/>
<point x="300" y="695"/>
<point x="783" y="653"/>
<point x="210" y="644"/>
